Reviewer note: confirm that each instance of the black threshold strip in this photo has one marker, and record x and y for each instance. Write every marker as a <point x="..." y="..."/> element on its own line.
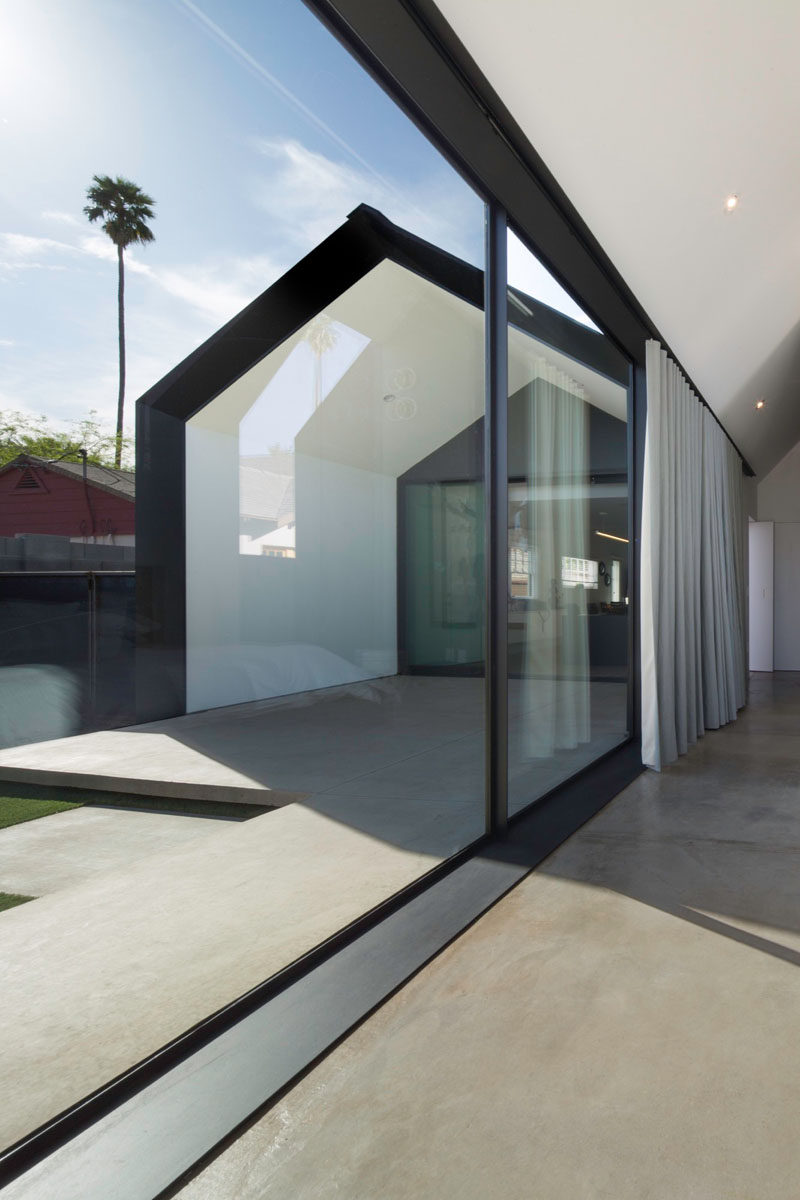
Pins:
<point x="143" y="1143"/>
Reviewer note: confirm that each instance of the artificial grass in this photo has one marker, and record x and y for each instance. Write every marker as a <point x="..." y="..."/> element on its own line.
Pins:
<point x="11" y="900"/>
<point x="27" y="801"/>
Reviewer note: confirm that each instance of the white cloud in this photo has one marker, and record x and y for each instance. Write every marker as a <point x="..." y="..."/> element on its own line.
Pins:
<point x="21" y="245"/>
<point x="220" y="287"/>
<point x="307" y="196"/>
<point x="46" y="391"/>
<point x="99" y="246"/>
<point x="20" y="252"/>
<point x="63" y="218"/>
<point x="6" y="343"/>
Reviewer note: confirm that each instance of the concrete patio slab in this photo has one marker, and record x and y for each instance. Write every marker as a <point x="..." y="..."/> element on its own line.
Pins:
<point x="99" y="975"/>
<point x="395" y="736"/>
<point x="50" y="853"/>
<point x="142" y="760"/>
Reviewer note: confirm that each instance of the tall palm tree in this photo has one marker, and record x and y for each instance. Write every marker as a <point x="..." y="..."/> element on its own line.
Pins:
<point x="124" y="209"/>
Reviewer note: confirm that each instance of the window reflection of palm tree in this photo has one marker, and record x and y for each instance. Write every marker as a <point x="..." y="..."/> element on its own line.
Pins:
<point x="321" y="337"/>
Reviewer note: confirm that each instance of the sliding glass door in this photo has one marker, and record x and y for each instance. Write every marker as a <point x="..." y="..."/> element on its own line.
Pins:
<point x="568" y="568"/>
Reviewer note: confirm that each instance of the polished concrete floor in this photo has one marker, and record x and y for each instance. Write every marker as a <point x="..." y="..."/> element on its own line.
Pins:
<point x="622" y="1026"/>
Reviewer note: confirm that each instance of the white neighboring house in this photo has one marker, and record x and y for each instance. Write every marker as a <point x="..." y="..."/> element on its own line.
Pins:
<point x="277" y="544"/>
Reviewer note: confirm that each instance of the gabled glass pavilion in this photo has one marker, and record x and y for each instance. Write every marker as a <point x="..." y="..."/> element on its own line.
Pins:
<point x="323" y="554"/>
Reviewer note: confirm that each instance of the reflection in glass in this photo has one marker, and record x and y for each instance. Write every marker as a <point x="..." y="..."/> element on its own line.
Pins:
<point x="334" y="552"/>
<point x="335" y="557"/>
<point x="567" y="624"/>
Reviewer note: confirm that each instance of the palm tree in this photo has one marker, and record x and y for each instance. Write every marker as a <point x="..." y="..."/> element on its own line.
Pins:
<point x="124" y="209"/>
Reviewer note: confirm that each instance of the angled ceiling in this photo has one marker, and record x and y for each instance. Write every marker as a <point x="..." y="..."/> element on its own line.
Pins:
<point x="649" y="116"/>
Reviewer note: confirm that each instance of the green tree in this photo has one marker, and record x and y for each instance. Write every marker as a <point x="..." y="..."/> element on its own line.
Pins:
<point x="23" y="434"/>
<point x="124" y="210"/>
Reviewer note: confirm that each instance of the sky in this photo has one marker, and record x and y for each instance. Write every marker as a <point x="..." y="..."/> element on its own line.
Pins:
<point x="255" y="132"/>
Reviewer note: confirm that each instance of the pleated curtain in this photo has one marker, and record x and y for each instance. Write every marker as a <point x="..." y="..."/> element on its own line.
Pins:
<point x="692" y="569"/>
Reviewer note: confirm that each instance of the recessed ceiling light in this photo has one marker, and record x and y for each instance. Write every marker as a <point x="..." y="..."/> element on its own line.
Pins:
<point x="731" y="203"/>
<point x="760" y="402"/>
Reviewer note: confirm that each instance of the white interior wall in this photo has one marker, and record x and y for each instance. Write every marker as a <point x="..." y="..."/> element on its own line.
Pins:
<point x="259" y="626"/>
<point x="779" y="492"/>
<point x="212" y="538"/>
<point x="761" y="598"/>
<point x="779" y="501"/>
<point x="346" y="564"/>
<point x="787" y="590"/>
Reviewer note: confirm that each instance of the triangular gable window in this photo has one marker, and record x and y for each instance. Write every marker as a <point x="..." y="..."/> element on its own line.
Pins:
<point x="28" y="482"/>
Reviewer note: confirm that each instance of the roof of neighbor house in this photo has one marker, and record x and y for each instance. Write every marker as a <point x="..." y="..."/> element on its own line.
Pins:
<point x="108" y="479"/>
<point x="264" y="494"/>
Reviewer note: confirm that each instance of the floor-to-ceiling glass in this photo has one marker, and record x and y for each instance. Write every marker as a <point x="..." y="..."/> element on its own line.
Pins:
<point x="334" y="539"/>
<point x="568" y="540"/>
<point x="337" y="490"/>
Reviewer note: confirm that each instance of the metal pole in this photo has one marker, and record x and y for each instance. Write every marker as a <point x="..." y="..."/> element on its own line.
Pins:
<point x="496" y="488"/>
<point x="92" y="590"/>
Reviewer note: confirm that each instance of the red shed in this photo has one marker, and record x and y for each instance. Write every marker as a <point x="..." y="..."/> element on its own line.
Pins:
<point x="66" y="498"/>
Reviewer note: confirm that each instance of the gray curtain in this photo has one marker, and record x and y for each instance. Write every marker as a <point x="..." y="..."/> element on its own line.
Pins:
<point x="692" y="569"/>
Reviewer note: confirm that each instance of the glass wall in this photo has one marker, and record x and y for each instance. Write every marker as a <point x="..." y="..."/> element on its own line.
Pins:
<point x="335" y="542"/>
<point x="334" y="568"/>
<point x="567" y="541"/>
<point x="335" y="557"/>
<point x="352" y="593"/>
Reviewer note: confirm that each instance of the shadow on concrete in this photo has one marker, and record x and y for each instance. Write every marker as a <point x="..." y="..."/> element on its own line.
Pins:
<point x="715" y="839"/>
<point x="400" y="759"/>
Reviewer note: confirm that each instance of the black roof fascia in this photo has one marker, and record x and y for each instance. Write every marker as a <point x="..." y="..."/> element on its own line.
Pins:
<point x="347" y="255"/>
<point x="306" y="288"/>
<point x="467" y="282"/>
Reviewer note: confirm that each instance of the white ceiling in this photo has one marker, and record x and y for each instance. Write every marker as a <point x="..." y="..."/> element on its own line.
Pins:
<point x="649" y="115"/>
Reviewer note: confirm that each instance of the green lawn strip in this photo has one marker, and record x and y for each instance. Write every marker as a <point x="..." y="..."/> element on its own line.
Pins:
<point x="15" y="809"/>
<point x="27" y="801"/>
<point x="11" y="900"/>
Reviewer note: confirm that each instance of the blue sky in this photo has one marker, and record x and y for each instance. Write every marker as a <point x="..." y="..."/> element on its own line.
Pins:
<point x="255" y="132"/>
